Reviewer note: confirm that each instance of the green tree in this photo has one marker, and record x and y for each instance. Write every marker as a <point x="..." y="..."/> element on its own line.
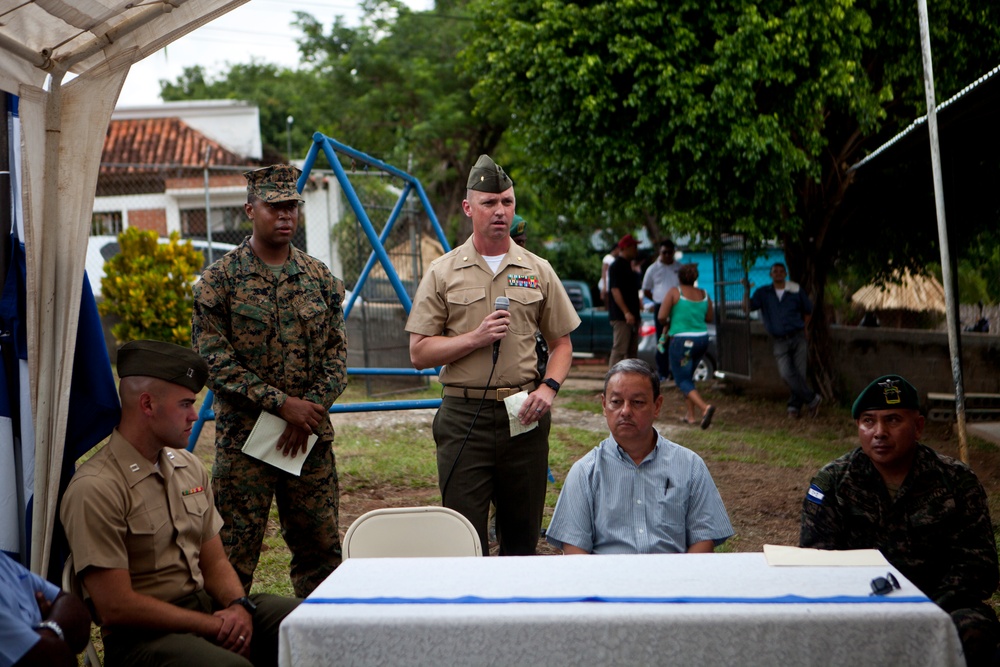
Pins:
<point x="392" y="87"/>
<point x="404" y="97"/>
<point x="147" y="285"/>
<point x="277" y="92"/>
<point x="739" y="116"/>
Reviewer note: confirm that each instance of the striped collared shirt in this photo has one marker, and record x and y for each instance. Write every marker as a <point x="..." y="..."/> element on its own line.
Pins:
<point x="610" y="505"/>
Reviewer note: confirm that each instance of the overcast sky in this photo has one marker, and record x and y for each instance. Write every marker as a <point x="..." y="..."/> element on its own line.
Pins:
<point x="260" y="28"/>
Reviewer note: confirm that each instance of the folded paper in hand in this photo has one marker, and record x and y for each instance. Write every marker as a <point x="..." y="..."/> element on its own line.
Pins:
<point x="513" y="404"/>
<point x="263" y="444"/>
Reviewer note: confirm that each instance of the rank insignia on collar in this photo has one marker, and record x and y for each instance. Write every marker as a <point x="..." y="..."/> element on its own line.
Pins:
<point x="134" y="467"/>
<point x="516" y="280"/>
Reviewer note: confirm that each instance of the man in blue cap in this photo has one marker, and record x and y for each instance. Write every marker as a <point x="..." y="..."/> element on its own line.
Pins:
<point x="927" y="513"/>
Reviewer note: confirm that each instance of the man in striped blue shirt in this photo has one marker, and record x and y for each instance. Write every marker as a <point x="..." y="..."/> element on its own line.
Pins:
<point x="637" y="492"/>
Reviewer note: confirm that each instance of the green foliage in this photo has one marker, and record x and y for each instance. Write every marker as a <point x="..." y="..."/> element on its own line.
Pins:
<point x="392" y="88"/>
<point x="983" y="254"/>
<point x="277" y="91"/>
<point x="147" y="285"/>
<point x="573" y="258"/>
<point x="736" y="116"/>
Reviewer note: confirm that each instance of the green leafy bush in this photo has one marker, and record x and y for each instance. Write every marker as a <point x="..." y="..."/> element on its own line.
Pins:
<point x="147" y="285"/>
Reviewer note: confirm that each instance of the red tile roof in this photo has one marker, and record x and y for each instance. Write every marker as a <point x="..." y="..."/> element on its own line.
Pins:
<point x="135" y="145"/>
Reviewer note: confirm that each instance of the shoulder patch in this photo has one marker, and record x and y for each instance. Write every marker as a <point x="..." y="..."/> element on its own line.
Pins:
<point x="815" y="494"/>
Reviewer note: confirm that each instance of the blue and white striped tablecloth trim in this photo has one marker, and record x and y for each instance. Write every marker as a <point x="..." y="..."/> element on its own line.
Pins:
<point x="781" y="599"/>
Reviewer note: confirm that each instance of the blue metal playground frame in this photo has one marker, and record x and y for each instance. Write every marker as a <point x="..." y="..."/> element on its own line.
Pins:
<point x="330" y="148"/>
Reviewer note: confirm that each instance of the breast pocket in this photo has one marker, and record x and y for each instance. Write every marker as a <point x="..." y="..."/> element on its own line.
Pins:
<point x="251" y="326"/>
<point x="196" y="504"/>
<point x="466" y="308"/>
<point x="524" y="307"/>
<point x="672" y="507"/>
<point x="143" y="528"/>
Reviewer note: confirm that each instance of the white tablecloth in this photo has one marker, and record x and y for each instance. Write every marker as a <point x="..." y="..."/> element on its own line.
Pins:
<point x="716" y="609"/>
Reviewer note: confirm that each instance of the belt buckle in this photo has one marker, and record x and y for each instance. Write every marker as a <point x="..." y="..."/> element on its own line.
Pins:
<point x="504" y="392"/>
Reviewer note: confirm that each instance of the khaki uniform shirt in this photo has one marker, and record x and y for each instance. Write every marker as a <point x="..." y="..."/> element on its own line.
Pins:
<point x="458" y="291"/>
<point x="120" y="512"/>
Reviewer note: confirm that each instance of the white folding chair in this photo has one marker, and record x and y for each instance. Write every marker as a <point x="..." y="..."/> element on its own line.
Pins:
<point x="71" y="584"/>
<point x="411" y="532"/>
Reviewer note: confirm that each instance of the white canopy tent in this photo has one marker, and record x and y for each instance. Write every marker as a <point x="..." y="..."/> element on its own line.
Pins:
<point x="43" y="44"/>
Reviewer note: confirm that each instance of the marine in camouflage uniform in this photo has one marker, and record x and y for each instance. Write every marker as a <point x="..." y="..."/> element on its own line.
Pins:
<point x="934" y="527"/>
<point x="272" y="333"/>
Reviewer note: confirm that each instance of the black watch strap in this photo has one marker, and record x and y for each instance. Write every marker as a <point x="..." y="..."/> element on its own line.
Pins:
<point x="552" y="384"/>
<point x="246" y="603"/>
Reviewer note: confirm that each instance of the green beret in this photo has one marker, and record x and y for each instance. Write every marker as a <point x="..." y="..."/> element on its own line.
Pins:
<point x="166" y="361"/>
<point x="488" y="176"/>
<point x="887" y="393"/>
<point x="518" y="226"/>
<point x="273" y="184"/>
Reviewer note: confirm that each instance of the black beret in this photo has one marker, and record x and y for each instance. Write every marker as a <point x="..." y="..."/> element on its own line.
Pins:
<point x="887" y="393"/>
<point x="166" y="361"/>
<point x="488" y="176"/>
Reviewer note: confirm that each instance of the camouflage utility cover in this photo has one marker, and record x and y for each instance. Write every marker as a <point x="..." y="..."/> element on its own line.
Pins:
<point x="273" y="184"/>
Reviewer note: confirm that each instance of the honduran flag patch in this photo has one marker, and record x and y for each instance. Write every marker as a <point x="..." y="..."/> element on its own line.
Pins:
<point x="814" y="494"/>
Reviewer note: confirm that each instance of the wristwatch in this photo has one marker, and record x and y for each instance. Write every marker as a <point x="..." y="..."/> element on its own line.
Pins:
<point x="54" y="627"/>
<point x="552" y="384"/>
<point x="246" y="603"/>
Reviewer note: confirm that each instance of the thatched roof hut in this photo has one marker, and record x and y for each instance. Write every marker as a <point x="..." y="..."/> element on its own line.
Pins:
<point x="903" y="295"/>
<point x="903" y="292"/>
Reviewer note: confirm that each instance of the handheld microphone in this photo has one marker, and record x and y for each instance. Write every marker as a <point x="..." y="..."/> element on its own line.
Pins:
<point x="502" y="303"/>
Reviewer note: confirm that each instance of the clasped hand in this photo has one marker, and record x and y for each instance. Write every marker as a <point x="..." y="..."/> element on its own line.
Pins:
<point x="304" y="418"/>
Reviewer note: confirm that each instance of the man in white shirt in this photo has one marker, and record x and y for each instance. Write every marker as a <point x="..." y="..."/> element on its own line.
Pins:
<point x="661" y="276"/>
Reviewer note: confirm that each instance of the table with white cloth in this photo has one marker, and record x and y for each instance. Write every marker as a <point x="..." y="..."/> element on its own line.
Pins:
<point x="719" y="609"/>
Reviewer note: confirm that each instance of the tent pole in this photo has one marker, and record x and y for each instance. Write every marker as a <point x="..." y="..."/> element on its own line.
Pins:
<point x="942" y="224"/>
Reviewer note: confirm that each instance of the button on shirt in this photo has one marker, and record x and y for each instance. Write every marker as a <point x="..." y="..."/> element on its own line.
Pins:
<point x="609" y="505"/>
<point x="121" y="511"/>
<point x="19" y="611"/>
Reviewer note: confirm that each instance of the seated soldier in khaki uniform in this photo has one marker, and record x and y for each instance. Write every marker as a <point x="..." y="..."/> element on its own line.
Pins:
<point x="145" y="533"/>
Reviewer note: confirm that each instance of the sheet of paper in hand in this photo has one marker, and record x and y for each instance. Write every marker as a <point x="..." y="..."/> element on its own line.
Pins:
<point x="514" y="404"/>
<point x="263" y="444"/>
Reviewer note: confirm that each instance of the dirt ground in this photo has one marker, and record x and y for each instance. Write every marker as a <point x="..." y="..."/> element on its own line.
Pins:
<point x="763" y="501"/>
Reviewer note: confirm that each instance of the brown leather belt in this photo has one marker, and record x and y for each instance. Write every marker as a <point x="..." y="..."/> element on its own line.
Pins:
<point x="498" y="394"/>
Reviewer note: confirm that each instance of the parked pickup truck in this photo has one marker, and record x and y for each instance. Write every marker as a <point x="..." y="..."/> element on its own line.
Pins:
<point x="594" y="336"/>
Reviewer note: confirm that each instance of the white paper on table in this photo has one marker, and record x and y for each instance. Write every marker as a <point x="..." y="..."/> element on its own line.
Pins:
<point x="514" y="403"/>
<point x="778" y="555"/>
<point x="263" y="444"/>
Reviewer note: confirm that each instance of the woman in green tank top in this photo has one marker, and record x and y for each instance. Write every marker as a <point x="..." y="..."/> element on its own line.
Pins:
<point x="689" y="311"/>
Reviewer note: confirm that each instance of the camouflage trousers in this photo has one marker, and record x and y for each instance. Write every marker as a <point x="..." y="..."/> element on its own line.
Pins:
<point x="979" y="631"/>
<point x="308" y="510"/>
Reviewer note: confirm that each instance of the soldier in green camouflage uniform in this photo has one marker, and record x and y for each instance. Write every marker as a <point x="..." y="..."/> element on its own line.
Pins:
<point x="269" y="321"/>
<point x="927" y="513"/>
